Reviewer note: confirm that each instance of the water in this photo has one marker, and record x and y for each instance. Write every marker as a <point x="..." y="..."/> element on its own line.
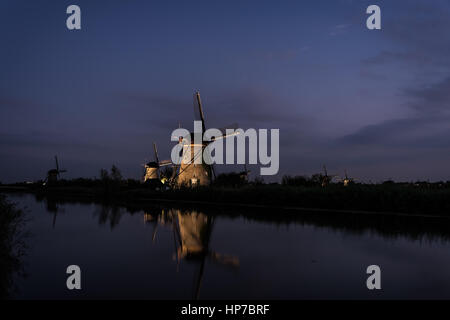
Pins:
<point x="168" y="253"/>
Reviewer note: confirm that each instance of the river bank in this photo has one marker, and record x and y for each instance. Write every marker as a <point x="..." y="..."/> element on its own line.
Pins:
<point x="358" y="199"/>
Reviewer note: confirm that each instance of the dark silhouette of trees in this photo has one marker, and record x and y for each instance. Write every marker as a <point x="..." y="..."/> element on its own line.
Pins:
<point x="116" y="175"/>
<point x="104" y="175"/>
<point x="12" y="247"/>
<point x="232" y="179"/>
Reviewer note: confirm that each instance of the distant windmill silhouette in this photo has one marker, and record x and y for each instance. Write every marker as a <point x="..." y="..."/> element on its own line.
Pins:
<point x="54" y="174"/>
<point x="326" y="178"/>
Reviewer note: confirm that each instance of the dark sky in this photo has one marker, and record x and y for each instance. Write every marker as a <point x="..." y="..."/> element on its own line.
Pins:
<point x="373" y="102"/>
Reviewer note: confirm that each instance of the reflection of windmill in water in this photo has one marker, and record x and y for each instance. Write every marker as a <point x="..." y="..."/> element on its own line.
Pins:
<point x="108" y="214"/>
<point x="53" y="174"/>
<point x="191" y="173"/>
<point x="52" y="207"/>
<point x="157" y="218"/>
<point x="192" y="235"/>
<point x="152" y="167"/>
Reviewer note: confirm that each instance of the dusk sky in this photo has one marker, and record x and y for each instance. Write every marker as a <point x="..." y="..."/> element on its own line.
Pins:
<point x="373" y="102"/>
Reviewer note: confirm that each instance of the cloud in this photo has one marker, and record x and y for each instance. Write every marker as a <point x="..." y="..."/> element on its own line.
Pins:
<point x="43" y="140"/>
<point x="428" y="128"/>
<point x="285" y="55"/>
<point x="10" y="103"/>
<point x="339" y="29"/>
<point x="386" y="56"/>
<point x="255" y="108"/>
<point x="431" y="98"/>
<point x="423" y="27"/>
<point x="414" y="132"/>
<point x="421" y="31"/>
<point x="420" y="43"/>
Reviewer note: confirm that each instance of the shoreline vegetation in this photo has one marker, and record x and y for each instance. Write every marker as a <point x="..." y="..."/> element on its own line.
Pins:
<point x="299" y="193"/>
<point x="12" y="247"/>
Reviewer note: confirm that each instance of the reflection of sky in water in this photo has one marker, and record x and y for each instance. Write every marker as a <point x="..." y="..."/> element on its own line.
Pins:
<point x="275" y="261"/>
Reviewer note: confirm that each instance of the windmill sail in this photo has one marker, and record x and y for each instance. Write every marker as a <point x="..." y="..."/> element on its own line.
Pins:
<point x="156" y="152"/>
<point x="198" y="101"/>
<point x="165" y="163"/>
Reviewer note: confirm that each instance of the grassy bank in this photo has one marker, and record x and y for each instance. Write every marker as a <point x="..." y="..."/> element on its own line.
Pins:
<point x="374" y="198"/>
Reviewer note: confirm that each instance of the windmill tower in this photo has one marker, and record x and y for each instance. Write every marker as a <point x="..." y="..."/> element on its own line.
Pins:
<point x="53" y="174"/>
<point x="326" y="178"/>
<point x="191" y="173"/>
<point x="152" y="167"/>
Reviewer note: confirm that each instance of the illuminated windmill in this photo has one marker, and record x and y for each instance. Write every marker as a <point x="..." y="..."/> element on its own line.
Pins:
<point x="347" y="181"/>
<point x="54" y="174"/>
<point x="191" y="173"/>
<point x="152" y="168"/>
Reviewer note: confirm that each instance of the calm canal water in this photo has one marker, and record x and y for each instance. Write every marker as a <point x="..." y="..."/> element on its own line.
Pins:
<point x="168" y="253"/>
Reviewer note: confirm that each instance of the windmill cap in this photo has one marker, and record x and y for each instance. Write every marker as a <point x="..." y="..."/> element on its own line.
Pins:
<point x="152" y="164"/>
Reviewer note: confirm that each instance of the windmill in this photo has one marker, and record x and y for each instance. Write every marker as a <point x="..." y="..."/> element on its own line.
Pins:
<point x="347" y="181"/>
<point x="152" y="167"/>
<point x="54" y="174"/>
<point x="191" y="173"/>
<point x="326" y="179"/>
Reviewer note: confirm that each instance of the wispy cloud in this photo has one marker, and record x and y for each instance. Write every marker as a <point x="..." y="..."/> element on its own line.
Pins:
<point x="339" y="29"/>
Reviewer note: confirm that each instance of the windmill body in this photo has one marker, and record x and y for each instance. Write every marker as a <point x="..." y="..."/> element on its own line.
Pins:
<point x="52" y="176"/>
<point x="190" y="173"/>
